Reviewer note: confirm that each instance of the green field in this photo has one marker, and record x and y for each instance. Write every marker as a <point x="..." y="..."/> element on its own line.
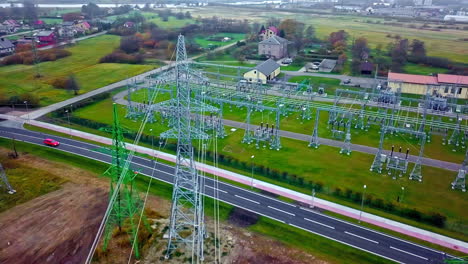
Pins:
<point x="204" y="42"/>
<point x="83" y="63"/>
<point x="52" y="21"/>
<point x="422" y="69"/>
<point x="326" y="165"/>
<point x="444" y="43"/>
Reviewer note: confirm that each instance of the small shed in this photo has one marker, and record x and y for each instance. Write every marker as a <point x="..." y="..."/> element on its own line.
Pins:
<point x="367" y="67"/>
<point x="264" y="72"/>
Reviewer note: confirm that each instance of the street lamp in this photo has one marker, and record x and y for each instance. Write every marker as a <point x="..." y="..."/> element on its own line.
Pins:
<point x="152" y="141"/>
<point x="26" y="103"/>
<point x="69" y="125"/>
<point x="313" y="197"/>
<point x="402" y="193"/>
<point x="362" y="203"/>
<point x="252" y="175"/>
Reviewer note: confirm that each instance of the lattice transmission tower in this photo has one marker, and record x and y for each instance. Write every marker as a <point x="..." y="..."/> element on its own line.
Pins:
<point x="125" y="210"/>
<point x="4" y="180"/>
<point x="460" y="180"/>
<point x="187" y="222"/>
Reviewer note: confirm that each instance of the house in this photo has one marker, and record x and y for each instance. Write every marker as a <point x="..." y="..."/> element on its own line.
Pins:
<point x="9" y="26"/>
<point x="274" y="47"/>
<point x="6" y="47"/>
<point x="38" y="24"/>
<point x="5" y="29"/>
<point x="129" y="24"/>
<point x="82" y="26"/>
<point x="442" y="84"/>
<point x="264" y="72"/>
<point x="46" y="37"/>
<point x="67" y="29"/>
<point x="265" y="34"/>
<point x="366" y="67"/>
<point x="12" y="23"/>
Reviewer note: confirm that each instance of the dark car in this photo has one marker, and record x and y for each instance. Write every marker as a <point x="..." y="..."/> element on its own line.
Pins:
<point x="51" y="142"/>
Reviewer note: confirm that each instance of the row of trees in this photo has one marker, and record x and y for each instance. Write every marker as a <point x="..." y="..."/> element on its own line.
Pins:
<point x="28" y="12"/>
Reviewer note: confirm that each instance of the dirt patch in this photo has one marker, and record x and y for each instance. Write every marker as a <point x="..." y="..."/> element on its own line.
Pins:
<point x="55" y="228"/>
<point x="242" y="218"/>
<point x="59" y="227"/>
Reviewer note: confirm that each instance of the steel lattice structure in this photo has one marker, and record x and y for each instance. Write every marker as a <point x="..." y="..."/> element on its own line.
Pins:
<point x="187" y="222"/>
<point x="459" y="182"/>
<point x="4" y="180"/>
<point x="126" y="208"/>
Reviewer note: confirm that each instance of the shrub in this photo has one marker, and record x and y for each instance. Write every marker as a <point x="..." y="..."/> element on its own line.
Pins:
<point x="59" y="82"/>
<point x="120" y="57"/>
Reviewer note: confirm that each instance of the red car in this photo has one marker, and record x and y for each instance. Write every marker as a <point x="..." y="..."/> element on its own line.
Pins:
<point x="51" y="142"/>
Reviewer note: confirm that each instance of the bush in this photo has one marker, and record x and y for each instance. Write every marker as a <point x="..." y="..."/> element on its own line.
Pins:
<point x="120" y="57"/>
<point x="27" y="57"/>
<point x="59" y="82"/>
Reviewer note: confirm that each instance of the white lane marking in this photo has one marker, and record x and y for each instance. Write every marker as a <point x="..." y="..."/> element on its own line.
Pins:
<point x="246" y="199"/>
<point x="219" y="190"/>
<point x="361" y="237"/>
<point x="409" y="253"/>
<point x="353" y="246"/>
<point x="373" y="231"/>
<point x="318" y="223"/>
<point x="274" y="208"/>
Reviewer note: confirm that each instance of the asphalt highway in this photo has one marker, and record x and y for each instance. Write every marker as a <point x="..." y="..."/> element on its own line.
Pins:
<point x="377" y="243"/>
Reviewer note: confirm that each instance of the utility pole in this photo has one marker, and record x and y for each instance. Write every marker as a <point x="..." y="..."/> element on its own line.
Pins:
<point x="252" y="175"/>
<point x="362" y="202"/>
<point x="4" y="179"/>
<point x="313" y="198"/>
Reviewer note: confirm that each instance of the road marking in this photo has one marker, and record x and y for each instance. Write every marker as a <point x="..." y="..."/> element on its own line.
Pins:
<point x="219" y="190"/>
<point x="246" y="199"/>
<point x="274" y="208"/>
<point x="371" y="230"/>
<point x="318" y="223"/>
<point x="409" y="253"/>
<point x="365" y="238"/>
<point x="353" y="246"/>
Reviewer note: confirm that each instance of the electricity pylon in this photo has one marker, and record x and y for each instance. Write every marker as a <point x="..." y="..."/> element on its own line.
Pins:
<point x="186" y="223"/>
<point x="459" y="182"/>
<point x="4" y="180"/>
<point x="125" y="210"/>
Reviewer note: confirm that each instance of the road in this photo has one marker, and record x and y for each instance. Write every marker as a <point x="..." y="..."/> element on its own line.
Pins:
<point x="383" y="245"/>
<point x="362" y="81"/>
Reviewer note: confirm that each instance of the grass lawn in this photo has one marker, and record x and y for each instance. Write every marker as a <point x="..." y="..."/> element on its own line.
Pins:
<point x="204" y="41"/>
<point x="19" y="176"/>
<point x="315" y="245"/>
<point x="173" y="22"/>
<point x="52" y="21"/>
<point x="326" y="165"/>
<point x="83" y="63"/>
<point x="412" y="68"/>
<point x="330" y="84"/>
